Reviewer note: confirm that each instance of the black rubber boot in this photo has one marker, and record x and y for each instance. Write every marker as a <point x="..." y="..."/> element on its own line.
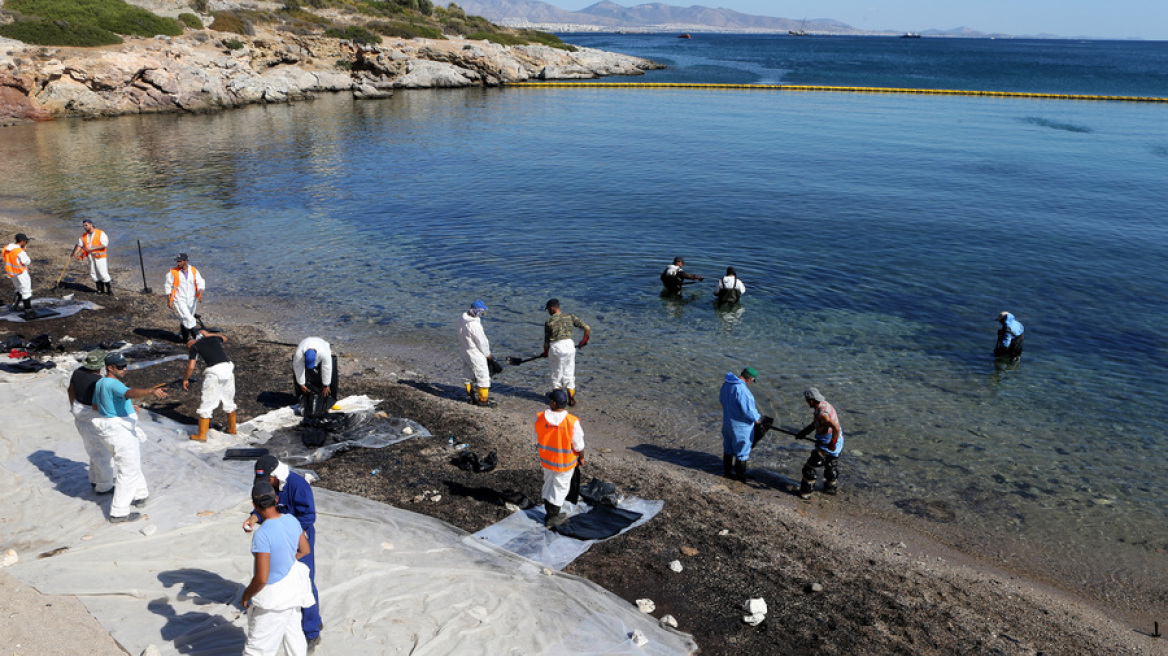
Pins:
<point x="740" y="471"/>
<point x="108" y="289"/>
<point x="805" y="489"/>
<point x="184" y="335"/>
<point x="727" y="465"/>
<point x="554" y="517"/>
<point x="15" y="303"/>
<point x="28" y="305"/>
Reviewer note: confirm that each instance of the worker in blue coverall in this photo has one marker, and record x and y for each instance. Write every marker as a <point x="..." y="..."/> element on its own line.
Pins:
<point x="295" y="499"/>
<point x="739" y="417"/>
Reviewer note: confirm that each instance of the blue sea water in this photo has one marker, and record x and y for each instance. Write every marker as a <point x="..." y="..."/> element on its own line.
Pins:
<point x="878" y="237"/>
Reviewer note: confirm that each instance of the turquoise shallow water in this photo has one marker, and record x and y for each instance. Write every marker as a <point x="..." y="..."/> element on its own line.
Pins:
<point x="878" y="237"/>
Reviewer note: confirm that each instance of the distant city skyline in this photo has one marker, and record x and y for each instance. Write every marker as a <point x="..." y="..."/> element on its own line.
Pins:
<point x="1116" y="19"/>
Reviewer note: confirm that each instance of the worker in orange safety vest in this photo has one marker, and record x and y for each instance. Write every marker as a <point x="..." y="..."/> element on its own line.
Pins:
<point x="92" y="246"/>
<point x="184" y="290"/>
<point x="561" y="447"/>
<point x="16" y="262"/>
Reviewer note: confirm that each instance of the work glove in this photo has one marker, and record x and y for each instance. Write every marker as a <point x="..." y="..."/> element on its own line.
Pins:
<point x="544" y="354"/>
<point x="494" y="367"/>
<point x="583" y="342"/>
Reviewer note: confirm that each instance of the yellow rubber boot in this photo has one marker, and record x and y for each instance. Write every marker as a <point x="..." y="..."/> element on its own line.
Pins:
<point x="484" y="392"/>
<point x="204" y="425"/>
<point x="231" y="423"/>
<point x="470" y="394"/>
<point x="571" y="396"/>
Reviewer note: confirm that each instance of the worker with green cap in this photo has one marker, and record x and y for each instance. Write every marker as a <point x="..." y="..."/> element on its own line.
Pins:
<point x="739" y="418"/>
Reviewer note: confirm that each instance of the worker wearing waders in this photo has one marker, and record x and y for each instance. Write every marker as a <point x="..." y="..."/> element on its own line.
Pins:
<point x="829" y="443"/>
<point x="184" y="290"/>
<point x="1009" y="336"/>
<point x="118" y="427"/>
<point x="739" y="417"/>
<point x="476" y="351"/>
<point x="218" y="380"/>
<point x="673" y="278"/>
<point x="314" y="376"/>
<point x="730" y="288"/>
<point x="92" y="246"/>
<point x="16" y="261"/>
<point x="561" y="447"/>
<point x="279" y="585"/>
<point x="558" y="345"/>
<point x="295" y="499"/>
<point x="81" y="386"/>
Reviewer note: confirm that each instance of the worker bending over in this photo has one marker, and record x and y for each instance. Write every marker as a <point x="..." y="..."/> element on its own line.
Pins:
<point x="218" y="379"/>
<point x="314" y="376"/>
<point x="558" y="345"/>
<point x="829" y="443"/>
<point x="561" y="450"/>
<point x="476" y="351"/>
<point x="16" y="262"/>
<point x="184" y="290"/>
<point x="279" y="585"/>
<point x="1009" y="337"/>
<point x="92" y="246"/>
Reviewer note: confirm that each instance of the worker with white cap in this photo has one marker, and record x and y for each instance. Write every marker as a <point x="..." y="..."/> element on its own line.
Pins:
<point x="314" y="374"/>
<point x="829" y="444"/>
<point x="476" y="351"/>
<point x="184" y="290"/>
<point x="16" y="262"/>
<point x="93" y="246"/>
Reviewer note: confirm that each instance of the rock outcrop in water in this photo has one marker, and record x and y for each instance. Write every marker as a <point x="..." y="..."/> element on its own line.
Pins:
<point x="198" y="73"/>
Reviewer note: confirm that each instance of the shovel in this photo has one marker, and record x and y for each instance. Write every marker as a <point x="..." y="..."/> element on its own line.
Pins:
<point x="65" y="268"/>
<point x="142" y="263"/>
<point x="515" y="361"/>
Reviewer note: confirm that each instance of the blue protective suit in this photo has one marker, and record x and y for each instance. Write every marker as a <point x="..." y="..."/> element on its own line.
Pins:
<point x="296" y="499"/>
<point x="738" y="417"/>
<point x="1011" y="328"/>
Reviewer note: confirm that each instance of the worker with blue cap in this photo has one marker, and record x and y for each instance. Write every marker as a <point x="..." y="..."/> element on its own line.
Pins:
<point x="314" y="373"/>
<point x="476" y="352"/>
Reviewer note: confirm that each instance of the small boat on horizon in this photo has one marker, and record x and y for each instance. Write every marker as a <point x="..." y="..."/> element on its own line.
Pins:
<point x="684" y="36"/>
<point x="910" y="35"/>
<point x="800" y="31"/>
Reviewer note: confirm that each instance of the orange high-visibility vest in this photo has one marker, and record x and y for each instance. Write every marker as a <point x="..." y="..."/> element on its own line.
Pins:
<point x="174" y="280"/>
<point x="555" y="443"/>
<point x="12" y="264"/>
<point x="92" y="244"/>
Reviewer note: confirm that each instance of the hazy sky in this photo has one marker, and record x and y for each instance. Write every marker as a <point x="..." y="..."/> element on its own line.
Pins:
<point x="1118" y="19"/>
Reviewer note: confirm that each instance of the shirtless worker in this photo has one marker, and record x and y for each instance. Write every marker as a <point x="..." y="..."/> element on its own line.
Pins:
<point x="673" y="278"/>
<point x="558" y="345"/>
<point x="829" y="443"/>
<point x="93" y="246"/>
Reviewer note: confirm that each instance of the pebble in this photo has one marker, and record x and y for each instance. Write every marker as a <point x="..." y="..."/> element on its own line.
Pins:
<point x="676" y="566"/>
<point x="646" y="606"/>
<point x="88" y="536"/>
<point x="387" y="546"/>
<point x="151" y="650"/>
<point x="547" y="571"/>
<point x="689" y="551"/>
<point x="669" y="620"/>
<point x="407" y="431"/>
<point x="724" y="531"/>
<point x="436" y="498"/>
<point x="10" y="558"/>
<point x="812" y="587"/>
<point x="204" y="513"/>
<point x="755" y="606"/>
<point x="149" y="530"/>
<point x="639" y="638"/>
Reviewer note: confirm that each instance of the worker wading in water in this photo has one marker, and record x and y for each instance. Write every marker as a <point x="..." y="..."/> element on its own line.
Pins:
<point x="218" y="379"/>
<point x="561" y="451"/>
<point x="557" y="345"/>
<point x="730" y="289"/>
<point x="92" y="246"/>
<point x="476" y="352"/>
<point x="184" y="290"/>
<point x="829" y="443"/>
<point x="673" y="278"/>
<point x="1009" y="343"/>
<point x="739" y="418"/>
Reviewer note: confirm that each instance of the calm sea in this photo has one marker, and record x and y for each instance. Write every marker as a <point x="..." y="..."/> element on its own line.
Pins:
<point x="878" y="237"/>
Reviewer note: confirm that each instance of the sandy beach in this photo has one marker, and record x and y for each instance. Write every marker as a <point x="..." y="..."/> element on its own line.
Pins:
<point x="835" y="581"/>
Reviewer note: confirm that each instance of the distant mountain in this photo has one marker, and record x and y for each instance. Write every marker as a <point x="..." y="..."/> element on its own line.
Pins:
<point x="656" y="16"/>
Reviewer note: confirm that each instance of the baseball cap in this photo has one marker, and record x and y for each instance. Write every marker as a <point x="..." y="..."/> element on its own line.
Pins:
<point x="552" y="303"/>
<point x="115" y="359"/>
<point x="181" y="257"/>
<point x="310" y="359"/>
<point x="263" y="494"/>
<point x="20" y="236"/>
<point x="478" y="305"/>
<point x="559" y="397"/>
<point x="266" y="466"/>
<point x="814" y="394"/>
<point x="751" y="371"/>
<point x="94" y="360"/>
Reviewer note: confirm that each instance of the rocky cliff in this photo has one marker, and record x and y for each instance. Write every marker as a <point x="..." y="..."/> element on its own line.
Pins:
<point x="197" y="72"/>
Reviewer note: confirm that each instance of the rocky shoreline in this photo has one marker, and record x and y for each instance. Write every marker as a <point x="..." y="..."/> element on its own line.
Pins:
<point x="834" y="582"/>
<point x="198" y="72"/>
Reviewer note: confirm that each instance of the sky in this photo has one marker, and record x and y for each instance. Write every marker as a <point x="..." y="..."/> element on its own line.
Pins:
<point x="1114" y="19"/>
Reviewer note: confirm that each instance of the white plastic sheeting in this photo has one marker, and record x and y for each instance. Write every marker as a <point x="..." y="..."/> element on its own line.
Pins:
<point x="523" y="532"/>
<point x="62" y="308"/>
<point x="391" y="582"/>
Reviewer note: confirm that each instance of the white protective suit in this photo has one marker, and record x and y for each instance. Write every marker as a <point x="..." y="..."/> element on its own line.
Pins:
<point x="273" y="617"/>
<point x="562" y="356"/>
<point x="475" y="348"/>
<point x="122" y="437"/>
<point x="218" y="387"/>
<point x="324" y="359"/>
<point x="98" y="266"/>
<point x="101" y="464"/>
<point x="556" y="484"/>
<point x="184" y="294"/>
<point x="22" y="282"/>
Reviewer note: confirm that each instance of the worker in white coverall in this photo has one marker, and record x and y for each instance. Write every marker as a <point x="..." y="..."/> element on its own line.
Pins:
<point x="82" y="384"/>
<point x="558" y="345"/>
<point x="184" y="290"/>
<point x="561" y="450"/>
<point x="476" y="351"/>
<point x="16" y="262"/>
<point x="93" y="246"/>
<point x="314" y="373"/>
<point x="118" y="427"/>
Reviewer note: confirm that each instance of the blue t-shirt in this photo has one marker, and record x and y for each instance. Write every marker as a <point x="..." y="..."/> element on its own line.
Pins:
<point x="109" y="395"/>
<point x="279" y="538"/>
